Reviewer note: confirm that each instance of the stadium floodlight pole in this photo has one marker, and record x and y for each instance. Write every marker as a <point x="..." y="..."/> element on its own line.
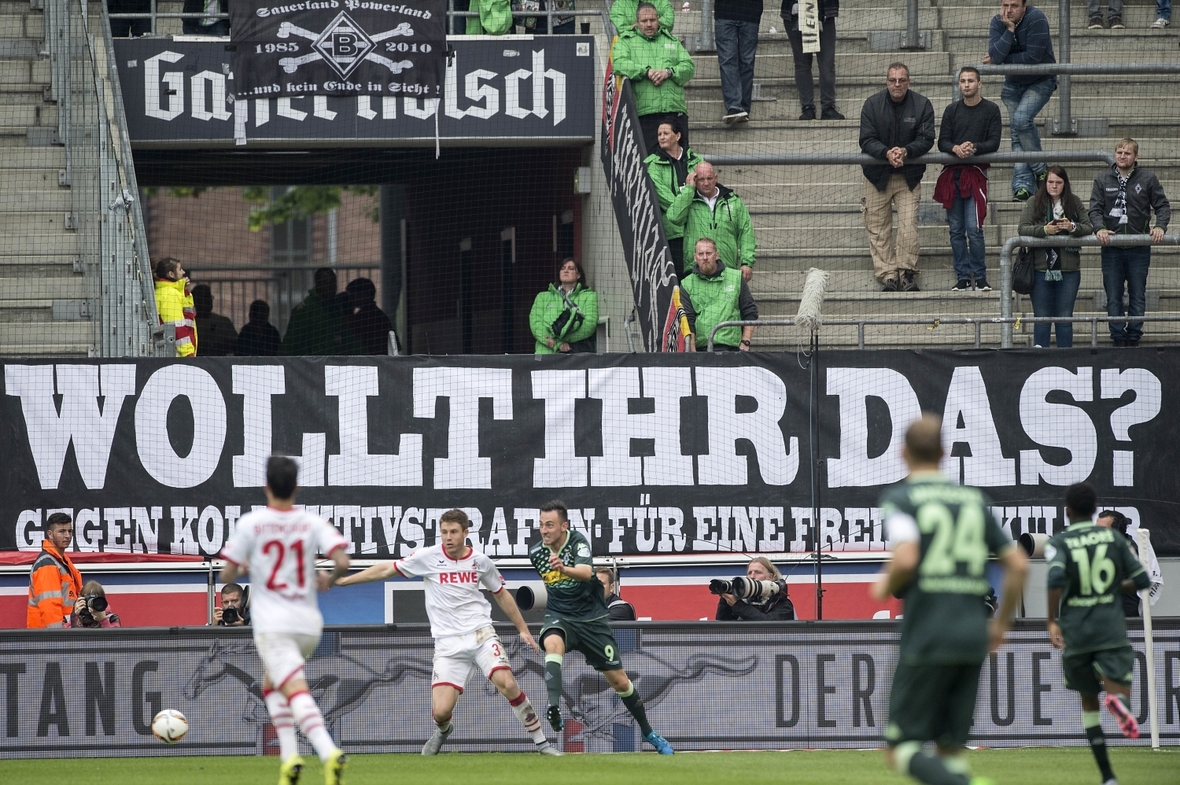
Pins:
<point x="1148" y="638"/>
<point x="810" y="317"/>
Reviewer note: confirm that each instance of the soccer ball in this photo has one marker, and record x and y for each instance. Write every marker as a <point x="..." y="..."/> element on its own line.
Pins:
<point x="169" y="726"/>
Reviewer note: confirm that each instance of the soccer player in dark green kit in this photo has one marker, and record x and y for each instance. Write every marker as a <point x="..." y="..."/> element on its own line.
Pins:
<point x="575" y="618"/>
<point x="941" y="536"/>
<point x="1089" y="566"/>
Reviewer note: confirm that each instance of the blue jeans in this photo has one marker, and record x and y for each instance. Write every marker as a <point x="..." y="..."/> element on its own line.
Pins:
<point x="966" y="240"/>
<point x="1054" y="298"/>
<point x="1163" y="9"/>
<point x="1128" y="265"/>
<point x="1023" y="102"/>
<point x="737" y="43"/>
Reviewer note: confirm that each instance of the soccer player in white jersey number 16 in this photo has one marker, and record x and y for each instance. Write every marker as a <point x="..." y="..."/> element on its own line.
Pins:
<point x="461" y="623"/>
<point x="278" y="546"/>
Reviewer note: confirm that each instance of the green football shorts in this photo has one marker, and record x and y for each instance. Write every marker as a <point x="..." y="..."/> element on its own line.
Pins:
<point x="593" y="638"/>
<point x="1084" y="671"/>
<point x="932" y="703"/>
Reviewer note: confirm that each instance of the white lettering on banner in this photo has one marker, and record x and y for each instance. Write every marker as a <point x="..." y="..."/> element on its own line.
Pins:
<point x="210" y="530"/>
<point x="1143" y="408"/>
<point x="617" y="388"/>
<point x="422" y="108"/>
<point x="261" y="111"/>
<point x="152" y="438"/>
<point x="320" y="108"/>
<point x="985" y="465"/>
<point x="854" y="386"/>
<point x="256" y="384"/>
<point x="391" y="518"/>
<point x="723" y="465"/>
<point x="865" y="528"/>
<point x="463" y="387"/>
<point x="364" y="108"/>
<point x="88" y="530"/>
<point x="206" y="107"/>
<point x="1058" y="424"/>
<point x="538" y="75"/>
<point x="183" y="540"/>
<point x="286" y="110"/>
<point x="560" y="468"/>
<point x="524" y="516"/>
<point x="151" y="87"/>
<point x="79" y="419"/>
<point x="354" y="385"/>
<point x="475" y="92"/>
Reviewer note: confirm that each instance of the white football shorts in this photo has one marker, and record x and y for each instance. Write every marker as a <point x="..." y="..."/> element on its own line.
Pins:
<point x="284" y="654"/>
<point x="455" y="656"/>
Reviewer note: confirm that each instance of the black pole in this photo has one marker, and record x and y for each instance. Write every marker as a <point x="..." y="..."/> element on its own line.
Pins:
<point x="813" y="437"/>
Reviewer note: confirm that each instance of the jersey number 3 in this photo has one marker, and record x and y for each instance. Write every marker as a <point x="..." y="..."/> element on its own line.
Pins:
<point x="277" y="551"/>
<point x="954" y="541"/>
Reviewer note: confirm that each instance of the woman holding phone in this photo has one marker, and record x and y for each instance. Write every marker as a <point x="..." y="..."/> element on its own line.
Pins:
<point x="1052" y="212"/>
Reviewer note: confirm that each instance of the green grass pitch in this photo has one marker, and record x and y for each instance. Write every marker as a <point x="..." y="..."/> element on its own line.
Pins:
<point x="1034" y="766"/>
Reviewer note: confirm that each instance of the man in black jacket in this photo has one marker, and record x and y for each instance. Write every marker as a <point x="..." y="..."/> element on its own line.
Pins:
<point x="1122" y="202"/>
<point x="970" y="127"/>
<point x="896" y="125"/>
<point x="777" y="608"/>
<point x="821" y="25"/>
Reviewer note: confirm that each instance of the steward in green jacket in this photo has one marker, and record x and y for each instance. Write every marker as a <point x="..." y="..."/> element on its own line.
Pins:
<point x="716" y="294"/>
<point x="637" y="53"/>
<point x="726" y="221"/>
<point x="564" y="317"/>
<point x="668" y="168"/>
<point x="623" y="12"/>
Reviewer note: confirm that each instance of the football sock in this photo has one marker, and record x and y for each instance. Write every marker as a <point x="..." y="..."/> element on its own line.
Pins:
<point x="284" y="722"/>
<point x="634" y="704"/>
<point x="311" y="722"/>
<point x="528" y="717"/>
<point x="1092" y="721"/>
<point x="909" y="758"/>
<point x="553" y="678"/>
<point x="957" y="764"/>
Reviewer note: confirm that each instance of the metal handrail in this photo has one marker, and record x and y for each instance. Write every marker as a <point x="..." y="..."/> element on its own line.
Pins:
<point x="1118" y="240"/>
<point x="946" y="159"/>
<point x="1079" y="69"/>
<point x="938" y="321"/>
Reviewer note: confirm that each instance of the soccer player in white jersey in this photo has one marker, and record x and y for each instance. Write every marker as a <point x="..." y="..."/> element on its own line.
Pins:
<point x="278" y="546"/>
<point x="461" y="623"/>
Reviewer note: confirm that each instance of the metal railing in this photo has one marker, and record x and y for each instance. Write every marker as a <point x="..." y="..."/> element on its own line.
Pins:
<point x="106" y="214"/>
<point x="946" y="159"/>
<point x="1121" y="241"/>
<point x="154" y="14"/>
<point x="282" y="288"/>
<point x="933" y="322"/>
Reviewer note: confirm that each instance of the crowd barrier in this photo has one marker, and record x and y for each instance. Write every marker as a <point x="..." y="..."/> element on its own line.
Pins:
<point x="92" y="693"/>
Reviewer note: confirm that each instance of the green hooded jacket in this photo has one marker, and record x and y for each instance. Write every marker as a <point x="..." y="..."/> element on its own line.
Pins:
<point x="634" y="54"/>
<point x="577" y="326"/>
<point x="623" y="13"/>
<point x="728" y="224"/>
<point x="663" y="177"/>
<point x="716" y="299"/>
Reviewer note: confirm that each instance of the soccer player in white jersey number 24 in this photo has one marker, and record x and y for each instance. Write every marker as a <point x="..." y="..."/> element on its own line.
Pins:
<point x="461" y="623"/>
<point x="278" y="546"/>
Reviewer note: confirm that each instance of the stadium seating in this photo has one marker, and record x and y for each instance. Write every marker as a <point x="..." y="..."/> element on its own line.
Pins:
<point x="809" y="215"/>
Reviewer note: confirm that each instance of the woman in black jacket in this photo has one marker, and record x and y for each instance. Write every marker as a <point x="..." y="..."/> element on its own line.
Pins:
<point x="777" y="607"/>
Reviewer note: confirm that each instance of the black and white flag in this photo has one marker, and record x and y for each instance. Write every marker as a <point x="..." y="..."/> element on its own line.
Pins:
<point x="338" y="47"/>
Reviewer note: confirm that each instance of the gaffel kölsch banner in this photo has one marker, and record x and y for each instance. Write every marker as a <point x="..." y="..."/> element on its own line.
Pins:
<point x="657" y="455"/>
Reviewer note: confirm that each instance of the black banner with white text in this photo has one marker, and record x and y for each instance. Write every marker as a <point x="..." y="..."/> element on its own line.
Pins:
<point x="337" y="47"/>
<point x="653" y="454"/>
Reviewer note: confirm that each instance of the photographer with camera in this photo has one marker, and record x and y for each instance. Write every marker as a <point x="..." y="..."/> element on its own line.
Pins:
<point x="760" y="596"/>
<point x="234" y="610"/>
<point x="91" y="610"/>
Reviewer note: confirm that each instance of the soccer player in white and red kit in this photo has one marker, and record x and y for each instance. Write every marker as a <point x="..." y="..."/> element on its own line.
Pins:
<point x="461" y="623"/>
<point x="278" y="546"/>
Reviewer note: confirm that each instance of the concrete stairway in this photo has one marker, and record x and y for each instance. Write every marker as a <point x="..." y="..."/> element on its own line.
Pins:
<point x="807" y="216"/>
<point x="40" y="291"/>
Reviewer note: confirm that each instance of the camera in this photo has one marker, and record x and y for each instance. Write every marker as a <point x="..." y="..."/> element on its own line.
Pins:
<point x="746" y="589"/>
<point x="93" y="604"/>
<point x="230" y="615"/>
